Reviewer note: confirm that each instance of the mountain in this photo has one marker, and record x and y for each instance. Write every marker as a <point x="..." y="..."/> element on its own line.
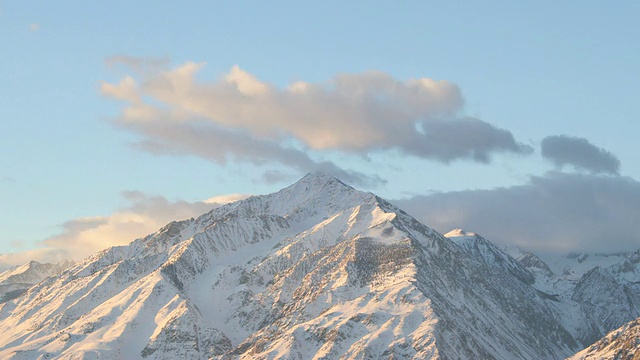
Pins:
<point x="15" y="281"/>
<point x="595" y="293"/>
<point x="316" y="270"/>
<point x="620" y="344"/>
<point x="483" y="250"/>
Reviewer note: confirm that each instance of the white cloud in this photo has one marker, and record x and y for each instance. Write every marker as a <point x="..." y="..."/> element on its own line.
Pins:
<point x="225" y="199"/>
<point x="126" y="89"/>
<point x="246" y="83"/>
<point x="351" y="112"/>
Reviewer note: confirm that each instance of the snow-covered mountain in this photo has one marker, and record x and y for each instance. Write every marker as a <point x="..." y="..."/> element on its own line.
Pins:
<point x="316" y="270"/>
<point x="596" y="293"/>
<point x="483" y="250"/>
<point x="15" y="281"/>
<point x="620" y="344"/>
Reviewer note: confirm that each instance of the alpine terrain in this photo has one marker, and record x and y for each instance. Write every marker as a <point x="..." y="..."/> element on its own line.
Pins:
<point x="623" y="343"/>
<point x="319" y="270"/>
<point x="17" y="280"/>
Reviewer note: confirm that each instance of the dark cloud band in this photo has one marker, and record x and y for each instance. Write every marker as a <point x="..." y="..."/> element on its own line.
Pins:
<point x="558" y="212"/>
<point x="579" y="153"/>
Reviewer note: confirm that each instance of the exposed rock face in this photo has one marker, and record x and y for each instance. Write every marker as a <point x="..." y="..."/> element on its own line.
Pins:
<point x="531" y="261"/>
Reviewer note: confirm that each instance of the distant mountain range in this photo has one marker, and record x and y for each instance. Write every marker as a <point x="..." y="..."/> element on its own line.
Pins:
<point x="319" y="270"/>
<point x="17" y="280"/>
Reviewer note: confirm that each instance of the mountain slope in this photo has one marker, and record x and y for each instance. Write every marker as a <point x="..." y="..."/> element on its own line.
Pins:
<point x="15" y="281"/>
<point x="317" y="269"/>
<point x="483" y="250"/>
<point x="594" y="293"/>
<point x="620" y="344"/>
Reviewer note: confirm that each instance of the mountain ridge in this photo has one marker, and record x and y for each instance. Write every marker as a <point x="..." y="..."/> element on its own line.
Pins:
<point x="18" y="279"/>
<point x="315" y="269"/>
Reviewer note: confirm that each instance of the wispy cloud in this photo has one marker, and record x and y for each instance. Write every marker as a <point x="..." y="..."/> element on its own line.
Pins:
<point x="558" y="212"/>
<point x="580" y="153"/>
<point x="84" y="236"/>
<point x="140" y="65"/>
<point x="240" y="117"/>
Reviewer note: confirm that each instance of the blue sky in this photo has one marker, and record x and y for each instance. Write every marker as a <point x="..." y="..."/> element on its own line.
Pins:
<point x="529" y="70"/>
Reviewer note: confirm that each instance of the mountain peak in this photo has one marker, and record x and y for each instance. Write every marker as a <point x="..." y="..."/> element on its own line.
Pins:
<point x="485" y="251"/>
<point x="317" y="269"/>
<point x="17" y="280"/>
<point x="321" y="179"/>
<point x="460" y="233"/>
<point x="315" y="192"/>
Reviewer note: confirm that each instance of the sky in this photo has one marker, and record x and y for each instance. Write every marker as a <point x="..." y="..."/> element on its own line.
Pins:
<point x="514" y="120"/>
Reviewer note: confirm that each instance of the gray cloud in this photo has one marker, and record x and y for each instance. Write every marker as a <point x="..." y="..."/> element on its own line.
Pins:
<point x="557" y="213"/>
<point x="240" y="117"/>
<point x="579" y="153"/>
<point x="468" y="138"/>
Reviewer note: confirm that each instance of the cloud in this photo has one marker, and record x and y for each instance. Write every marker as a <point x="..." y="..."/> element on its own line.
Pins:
<point x="464" y="138"/>
<point x="84" y="236"/>
<point x="43" y="255"/>
<point x="140" y="65"/>
<point x="225" y="199"/>
<point x="240" y="117"/>
<point x="221" y="145"/>
<point x="556" y="213"/>
<point x="579" y="153"/>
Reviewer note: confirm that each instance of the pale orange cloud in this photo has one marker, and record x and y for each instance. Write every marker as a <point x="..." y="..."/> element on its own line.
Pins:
<point x="84" y="236"/>
<point x="238" y="117"/>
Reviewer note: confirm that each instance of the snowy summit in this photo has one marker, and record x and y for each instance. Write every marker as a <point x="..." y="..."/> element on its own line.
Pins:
<point x="315" y="270"/>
